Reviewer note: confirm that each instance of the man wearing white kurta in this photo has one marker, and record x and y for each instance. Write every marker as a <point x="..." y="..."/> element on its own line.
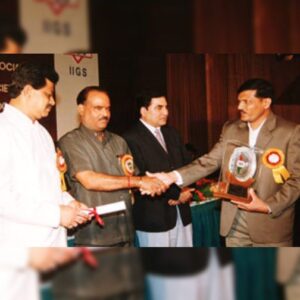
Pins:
<point x="17" y="279"/>
<point x="19" y="269"/>
<point x="33" y="208"/>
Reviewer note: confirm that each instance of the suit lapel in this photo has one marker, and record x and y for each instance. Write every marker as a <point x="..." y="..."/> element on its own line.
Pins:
<point x="243" y="133"/>
<point x="151" y="138"/>
<point x="167" y="139"/>
<point x="265" y="134"/>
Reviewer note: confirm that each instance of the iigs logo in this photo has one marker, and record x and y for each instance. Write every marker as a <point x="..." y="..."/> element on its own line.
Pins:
<point x="58" y="6"/>
<point x="79" y="57"/>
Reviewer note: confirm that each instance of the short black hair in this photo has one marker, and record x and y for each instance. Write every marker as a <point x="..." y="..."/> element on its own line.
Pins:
<point x="264" y="89"/>
<point x="32" y="74"/>
<point x="83" y="94"/>
<point x="143" y="98"/>
<point x="12" y="31"/>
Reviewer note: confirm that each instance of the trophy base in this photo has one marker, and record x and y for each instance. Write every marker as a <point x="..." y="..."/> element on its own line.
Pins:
<point x="223" y="189"/>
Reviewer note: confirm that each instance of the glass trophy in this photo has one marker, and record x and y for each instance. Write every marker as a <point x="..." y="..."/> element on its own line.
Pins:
<point x="239" y="169"/>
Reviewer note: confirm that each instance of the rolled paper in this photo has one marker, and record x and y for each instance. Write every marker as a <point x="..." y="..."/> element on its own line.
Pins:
<point x="105" y="209"/>
<point x="110" y="208"/>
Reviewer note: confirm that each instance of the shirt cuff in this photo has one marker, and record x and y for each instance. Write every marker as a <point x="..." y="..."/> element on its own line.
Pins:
<point x="179" y="180"/>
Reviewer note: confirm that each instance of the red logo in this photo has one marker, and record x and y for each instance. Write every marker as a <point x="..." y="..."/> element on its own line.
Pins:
<point x="57" y="6"/>
<point x="79" y="57"/>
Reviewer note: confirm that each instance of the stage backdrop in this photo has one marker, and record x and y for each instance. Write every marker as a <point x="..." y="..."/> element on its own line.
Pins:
<point x="75" y="72"/>
<point x="55" y="26"/>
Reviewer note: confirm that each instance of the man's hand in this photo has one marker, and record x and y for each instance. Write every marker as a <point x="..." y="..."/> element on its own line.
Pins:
<point x="256" y="205"/>
<point x="71" y="217"/>
<point x="185" y="196"/>
<point x="81" y="206"/>
<point x="47" y="259"/>
<point x="152" y="186"/>
<point x="166" y="178"/>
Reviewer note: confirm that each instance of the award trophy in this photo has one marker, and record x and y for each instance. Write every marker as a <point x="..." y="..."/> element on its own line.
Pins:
<point x="239" y="168"/>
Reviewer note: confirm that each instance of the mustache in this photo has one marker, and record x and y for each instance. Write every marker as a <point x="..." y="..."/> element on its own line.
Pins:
<point x="103" y="118"/>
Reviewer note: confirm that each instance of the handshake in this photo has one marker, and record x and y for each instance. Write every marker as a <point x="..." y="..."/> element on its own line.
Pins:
<point x="156" y="183"/>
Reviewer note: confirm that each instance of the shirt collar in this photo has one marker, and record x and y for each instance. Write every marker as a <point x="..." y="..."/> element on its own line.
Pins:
<point x="258" y="128"/>
<point x="150" y="127"/>
<point x="93" y="134"/>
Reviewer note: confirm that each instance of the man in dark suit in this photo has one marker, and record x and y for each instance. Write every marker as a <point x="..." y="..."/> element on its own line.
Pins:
<point x="163" y="221"/>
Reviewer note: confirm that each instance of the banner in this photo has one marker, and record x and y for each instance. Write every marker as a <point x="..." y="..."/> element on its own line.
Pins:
<point x="8" y="63"/>
<point x="76" y="71"/>
<point x="59" y="25"/>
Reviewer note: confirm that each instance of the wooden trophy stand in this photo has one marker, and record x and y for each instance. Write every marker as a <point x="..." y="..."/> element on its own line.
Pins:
<point x="233" y="189"/>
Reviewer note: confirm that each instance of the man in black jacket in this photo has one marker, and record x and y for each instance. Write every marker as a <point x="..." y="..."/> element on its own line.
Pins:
<point x="162" y="221"/>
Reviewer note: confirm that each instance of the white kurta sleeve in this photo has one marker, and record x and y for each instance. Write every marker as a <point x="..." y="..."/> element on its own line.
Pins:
<point x="67" y="198"/>
<point x="16" y="205"/>
<point x="14" y="257"/>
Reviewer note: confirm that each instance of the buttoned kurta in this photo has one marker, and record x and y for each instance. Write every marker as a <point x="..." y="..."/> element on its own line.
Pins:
<point x="30" y="190"/>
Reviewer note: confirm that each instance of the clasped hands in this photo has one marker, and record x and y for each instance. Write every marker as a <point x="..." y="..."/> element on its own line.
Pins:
<point x="157" y="183"/>
<point x="74" y="214"/>
<point x="154" y="184"/>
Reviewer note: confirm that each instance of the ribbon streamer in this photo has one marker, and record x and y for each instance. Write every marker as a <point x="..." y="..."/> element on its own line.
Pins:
<point x="62" y="168"/>
<point x="99" y="220"/>
<point x="89" y="258"/>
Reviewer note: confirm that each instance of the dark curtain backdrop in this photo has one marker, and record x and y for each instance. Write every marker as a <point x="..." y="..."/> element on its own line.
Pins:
<point x="216" y="78"/>
<point x="194" y="26"/>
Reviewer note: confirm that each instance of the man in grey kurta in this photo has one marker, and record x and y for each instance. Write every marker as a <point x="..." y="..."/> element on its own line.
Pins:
<point x="96" y="174"/>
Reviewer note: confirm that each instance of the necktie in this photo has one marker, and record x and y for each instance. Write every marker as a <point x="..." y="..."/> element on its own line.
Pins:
<point x="160" y="138"/>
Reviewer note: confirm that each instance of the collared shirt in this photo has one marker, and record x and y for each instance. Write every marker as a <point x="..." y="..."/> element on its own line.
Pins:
<point x="150" y="127"/>
<point x="156" y="131"/>
<point x="253" y="133"/>
<point x="30" y="190"/>
<point x="84" y="152"/>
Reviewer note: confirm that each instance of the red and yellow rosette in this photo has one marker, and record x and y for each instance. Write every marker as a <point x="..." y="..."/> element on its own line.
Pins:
<point x="127" y="164"/>
<point x="274" y="159"/>
<point x="62" y="168"/>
